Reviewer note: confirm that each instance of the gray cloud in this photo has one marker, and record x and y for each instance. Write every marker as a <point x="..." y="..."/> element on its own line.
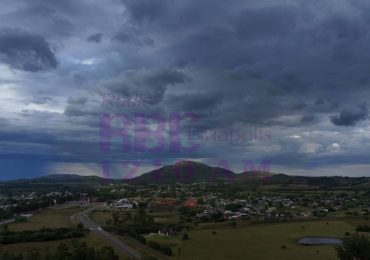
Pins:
<point x="26" y="51"/>
<point x="135" y="38"/>
<point x="41" y="100"/>
<point x="97" y="38"/>
<point x="144" y="10"/>
<point x="149" y="85"/>
<point x="351" y="117"/>
<point x="308" y="119"/>
<point x="266" y="23"/>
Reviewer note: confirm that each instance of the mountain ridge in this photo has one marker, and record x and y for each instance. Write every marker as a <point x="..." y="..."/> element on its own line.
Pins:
<point x="191" y="172"/>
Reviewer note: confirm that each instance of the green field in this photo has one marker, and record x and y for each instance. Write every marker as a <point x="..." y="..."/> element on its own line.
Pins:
<point x="51" y="218"/>
<point x="101" y="217"/>
<point x="262" y="241"/>
<point x="246" y="241"/>
<point x="166" y="217"/>
<point x="91" y="240"/>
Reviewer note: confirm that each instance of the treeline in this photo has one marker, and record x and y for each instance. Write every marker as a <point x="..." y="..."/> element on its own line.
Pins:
<point x="161" y="248"/>
<point x="363" y="228"/>
<point x="124" y="223"/>
<point x="45" y="234"/>
<point x="355" y="247"/>
<point x="76" y="250"/>
<point x="139" y="222"/>
<point x="6" y="214"/>
<point x="35" y="204"/>
<point x="140" y="238"/>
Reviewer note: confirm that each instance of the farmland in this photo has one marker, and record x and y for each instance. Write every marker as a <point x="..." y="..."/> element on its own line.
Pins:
<point x="264" y="241"/>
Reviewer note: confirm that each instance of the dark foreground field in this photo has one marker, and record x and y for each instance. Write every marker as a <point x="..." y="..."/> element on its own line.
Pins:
<point x="262" y="241"/>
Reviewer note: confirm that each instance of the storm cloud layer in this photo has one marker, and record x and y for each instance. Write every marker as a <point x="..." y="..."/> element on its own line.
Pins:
<point x="25" y="51"/>
<point x="284" y="81"/>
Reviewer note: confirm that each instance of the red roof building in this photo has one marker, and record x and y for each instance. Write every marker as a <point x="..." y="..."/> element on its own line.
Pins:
<point x="191" y="203"/>
<point x="164" y="202"/>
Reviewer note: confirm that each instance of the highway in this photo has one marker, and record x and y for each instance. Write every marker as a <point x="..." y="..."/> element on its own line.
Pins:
<point x="83" y="218"/>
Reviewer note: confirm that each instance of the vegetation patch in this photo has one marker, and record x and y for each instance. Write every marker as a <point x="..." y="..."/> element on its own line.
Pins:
<point x="44" y="234"/>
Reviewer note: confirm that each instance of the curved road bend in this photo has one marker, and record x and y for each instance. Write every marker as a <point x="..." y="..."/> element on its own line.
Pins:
<point x="83" y="217"/>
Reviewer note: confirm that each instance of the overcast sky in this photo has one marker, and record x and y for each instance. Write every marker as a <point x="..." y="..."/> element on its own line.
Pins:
<point x="272" y="83"/>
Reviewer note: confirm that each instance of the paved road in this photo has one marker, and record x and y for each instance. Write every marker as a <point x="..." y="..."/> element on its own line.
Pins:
<point x="83" y="217"/>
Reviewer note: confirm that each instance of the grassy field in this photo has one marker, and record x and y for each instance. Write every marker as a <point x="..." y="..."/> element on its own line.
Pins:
<point x="263" y="241"/>
<point x="91" y="240"/>
<point x="101" y="217"/>
<point x="246" y="241"/>
<point x="50" y="218"/>
<point x="166" y="217"/>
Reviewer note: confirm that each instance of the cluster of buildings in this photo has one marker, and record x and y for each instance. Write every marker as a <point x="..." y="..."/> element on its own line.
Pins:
<point x="273" y="207"/>
<point x="125" y="203"/>
<point x="220" y="206"/>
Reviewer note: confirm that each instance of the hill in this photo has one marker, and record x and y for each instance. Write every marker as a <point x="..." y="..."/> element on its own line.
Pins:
<point x="68" y="178"/>
<point x="189" y="172"/>
<point x="184" y="172"/>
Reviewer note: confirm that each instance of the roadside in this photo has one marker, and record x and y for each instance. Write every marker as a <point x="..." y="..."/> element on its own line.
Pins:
<point x="83" y="217"/>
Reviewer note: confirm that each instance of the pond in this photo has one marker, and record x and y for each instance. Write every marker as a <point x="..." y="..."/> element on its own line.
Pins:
<point x="319" y="241"/>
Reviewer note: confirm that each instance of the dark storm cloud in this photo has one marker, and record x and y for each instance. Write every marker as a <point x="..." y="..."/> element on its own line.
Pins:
<point x="308" y="119"/>
<point x="305" y="53"/>
<point x="149" y="85"/>
<point x="41" y="100"/>
<point x="44" y="8"/>
<point x="143" y="10"/>
<point x="81" y="106"/>
<point x="47" y="17"/>
<point x="351" y="117"/>
<point x="283" y="64"/>
<point x="195" y="102"/>
<point x="97" y="38"/>
<point x="77" y="101"/>
<point x="266" y="23"/>
<point x="135" y="38"/>
<point x="26" y="51"/>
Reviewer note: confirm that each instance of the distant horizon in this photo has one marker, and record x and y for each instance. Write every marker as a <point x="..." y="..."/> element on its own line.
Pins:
<point x="139" y="174"/>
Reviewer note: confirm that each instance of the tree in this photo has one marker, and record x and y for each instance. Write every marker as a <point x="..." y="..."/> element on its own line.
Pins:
<point x="357" y="247"/>
<point x="62" y="252"/>
<point x="33" y="254"/>
<point x="128" y="216"/>
<point x="10" y="256"/>
<point x="185" y="236"/>
<point x="83" y="253"/>
<point x="115" y="216"/>
<point x="107" y="253"/>
<point x="80" y="226"/>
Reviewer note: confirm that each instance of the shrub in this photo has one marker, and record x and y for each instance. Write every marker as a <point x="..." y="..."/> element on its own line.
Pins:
<point x="161" y="248"/>
<point x="185" y="236"/>
<point x="363" y="228"/>
<point x="80" y="226"/>
<point x="45" y="234"/>
<point x="355" y="247"/>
